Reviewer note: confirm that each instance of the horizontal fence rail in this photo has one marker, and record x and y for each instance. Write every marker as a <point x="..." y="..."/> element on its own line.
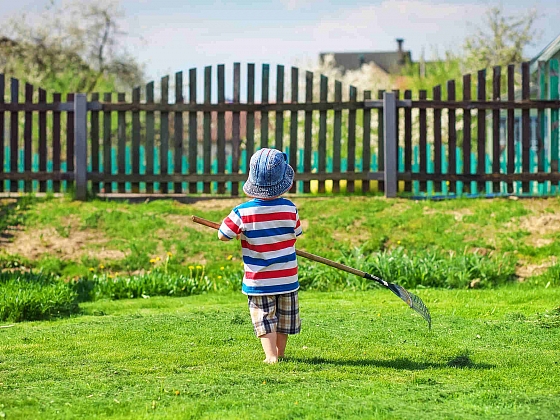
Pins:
<point x="191" y="135"/>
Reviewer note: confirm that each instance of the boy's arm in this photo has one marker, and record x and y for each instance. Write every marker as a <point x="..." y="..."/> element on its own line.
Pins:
<point x="230" y="227"/>
<point x="298" y="230"/>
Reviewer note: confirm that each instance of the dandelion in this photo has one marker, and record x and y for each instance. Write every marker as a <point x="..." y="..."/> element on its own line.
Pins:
<point x="158" y="258"/>
<point x="153" y="260"/>
<point x="229" y="257"/>
<point x="222" y="268"/>
<point x="198" y="267"/>
<point x="91" y="269"/>
<point x="101" y="266"/>
<point x="169" y="254"/>
<point x="219" y="277"/>
<point x="191" y="267"/>
<point x="398" y="242"/>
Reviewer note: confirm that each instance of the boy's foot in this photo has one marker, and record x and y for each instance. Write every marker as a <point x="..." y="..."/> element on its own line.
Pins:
<point x="271" y="360"/>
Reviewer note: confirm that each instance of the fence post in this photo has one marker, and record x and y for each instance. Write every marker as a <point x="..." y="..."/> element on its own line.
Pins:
<point x="390" y="140"/>
<point x="80" y="146"/>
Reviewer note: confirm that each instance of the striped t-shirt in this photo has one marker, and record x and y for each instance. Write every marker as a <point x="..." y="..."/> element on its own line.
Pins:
<point x="268" y="230"/>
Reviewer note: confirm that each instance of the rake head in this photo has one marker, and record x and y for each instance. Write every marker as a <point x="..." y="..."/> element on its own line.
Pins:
<point x="413" y="301"/>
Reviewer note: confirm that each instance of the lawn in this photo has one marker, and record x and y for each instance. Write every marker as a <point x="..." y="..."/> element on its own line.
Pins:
<point x="488" y="270"/>
<point x="490" y="354"/>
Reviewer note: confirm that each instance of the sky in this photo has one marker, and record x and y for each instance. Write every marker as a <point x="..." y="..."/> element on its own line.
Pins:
<point x="174" y="35"/>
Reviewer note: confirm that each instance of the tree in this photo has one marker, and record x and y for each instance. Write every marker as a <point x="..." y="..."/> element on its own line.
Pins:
<point x="501" y="40"/>
<point x="71" y="47"/>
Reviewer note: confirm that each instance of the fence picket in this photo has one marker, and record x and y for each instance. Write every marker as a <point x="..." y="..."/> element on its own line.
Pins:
<point x="56" y="148"/>
<point x="351" y="165"/>
<point x="221" y="139"/>
<point x="307" y="142"/>
<point x="235" y="128"/>
<point x="322" y="145"/>
<point x="422" y="144"/>
<point x="164" y="135"/>
<point x="27" y="136"/>
<point x="264" y="100"/>
<point x="380" y="141"/>
<point x="496" y="93"/>
<point x="436" y="95"/>
<point x="279" y="128"/>
<point x="554" y="121"/>
<point x="407" y="140"/>
<point x="150" y="137"/>
<point x="525" y="124"/>
<point x="452" y="136"/>
<point x="193" y="131"/>
<point x="94" y="141"/>
<point x="178" y="133"/>
<point x="14" y="133"/>
<point x="467" y="129"/>
<point x="69" y="138"/>
<point x="250" y="114"/>
<point x="337" y="135"/>
<point x="135" y="186"/>
<point x="481" y="131"/>
<point x="511" y="126"/>
<point x="366" y="145"/>
<point x="42" y="140"/>
<point x="121" y="144"/>
<point x="2" y="128"/>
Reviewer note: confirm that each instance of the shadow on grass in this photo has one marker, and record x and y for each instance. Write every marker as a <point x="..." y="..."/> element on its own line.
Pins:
<point x="400" y="364"/>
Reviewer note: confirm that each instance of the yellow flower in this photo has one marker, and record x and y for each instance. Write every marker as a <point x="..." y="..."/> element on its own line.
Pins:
<point x="398" y="242"/>
<point x="222" y="268"/>
<point x="91" y="269"/>
<point x="191" y="267"/>
<point x="158" y="258"/>
<point x="198" y="267"/>
<point x="169" y="254"/>
<point x="101" y="266"/>
<point x="229" y="257"/>
<point x="153" y="260"/>
<point x="219" y="277"/>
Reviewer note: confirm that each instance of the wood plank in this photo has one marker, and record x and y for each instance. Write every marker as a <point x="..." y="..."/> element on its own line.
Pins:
<point x="436" y="94"/>
<point x="322" y="152"/>
<point x="14" y="132"/>
<point x="70" y="136"/>
<point x="207" y="127"/>
<point x="466" y="129"/>
<point x="42" y="141"/>
<point x="554" y="117"/>
<point x="541" y="119"/>
<point x="178" y="132"/>
<point x="121" y="142"/>
<point x="221" y="141"/>
<point x="29" y="176"/>
<point x="422" y="144"/>
<point x="307" y="142"/>
<point x="397" y="93"/>
<point x="27" y="136"/>
<point x="481" y="130"/>
<point x="390" y="140"/>
<point x="2" y="127"/>
<point x="294" y="125"/>
<point x="408" y="140"/>
<point x="193" y="130"/>
<point x="56" y="148"/>
<point x="264" y="100"/>
<point x="351" y="139"/>
<point x="366" y="143"/>
<point x="452" y="136"/>
<point x="511" y="125"/>
<point x="525" y="124"/>
<point x="337" y="135"/>
<point x="250" y="114"/>
<point x="150" y="136"/>
<point x="94" y="141"/>
<point x="235" y="128"/>
<point x="80" y="142"/>
<point x="380" y="142"/>
<point x="279" y="123"/>
<point x="164" y="135"/>
<point x="135" y="140"/>
<point x="496" y="93"/>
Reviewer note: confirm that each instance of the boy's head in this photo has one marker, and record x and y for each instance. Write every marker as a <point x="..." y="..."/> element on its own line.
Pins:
<point x="269" y="175"/>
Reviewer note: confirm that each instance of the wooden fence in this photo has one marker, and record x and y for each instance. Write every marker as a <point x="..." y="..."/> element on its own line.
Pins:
<point x="495" y="139"/>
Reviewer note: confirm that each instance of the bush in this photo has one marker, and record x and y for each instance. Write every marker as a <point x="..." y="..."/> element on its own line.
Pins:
<point x="30" y="297"/>
<point x="421" y="269"/>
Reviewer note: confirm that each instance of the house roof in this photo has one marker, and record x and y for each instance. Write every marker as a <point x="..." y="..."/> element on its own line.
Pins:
<point x="387" y="61"/>
<point x="546" y="54"/>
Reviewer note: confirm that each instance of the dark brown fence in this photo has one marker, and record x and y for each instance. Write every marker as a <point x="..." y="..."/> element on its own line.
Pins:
<point x="494" y="139"/>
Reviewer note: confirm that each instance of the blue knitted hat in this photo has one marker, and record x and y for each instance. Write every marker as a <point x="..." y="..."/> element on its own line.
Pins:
<point x="269" y="175"/>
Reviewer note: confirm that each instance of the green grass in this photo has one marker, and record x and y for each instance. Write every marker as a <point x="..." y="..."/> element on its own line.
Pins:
<point x="491" y="354"/>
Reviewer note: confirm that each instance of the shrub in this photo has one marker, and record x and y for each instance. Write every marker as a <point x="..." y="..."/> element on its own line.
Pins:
<point x="30" y="297"/>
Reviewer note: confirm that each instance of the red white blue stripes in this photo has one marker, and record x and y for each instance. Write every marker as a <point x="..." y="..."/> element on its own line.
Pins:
<point x="268" y="231"/>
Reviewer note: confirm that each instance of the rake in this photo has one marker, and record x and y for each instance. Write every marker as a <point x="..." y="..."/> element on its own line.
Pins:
<point x="410" y="299"/>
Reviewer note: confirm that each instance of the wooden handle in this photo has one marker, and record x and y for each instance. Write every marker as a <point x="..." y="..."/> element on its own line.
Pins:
<point x="303" y="254"/>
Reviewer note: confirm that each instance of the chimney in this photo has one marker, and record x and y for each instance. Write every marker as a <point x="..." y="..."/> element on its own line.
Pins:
<point x="401" y="52"/>
<point x="399" y="43"/>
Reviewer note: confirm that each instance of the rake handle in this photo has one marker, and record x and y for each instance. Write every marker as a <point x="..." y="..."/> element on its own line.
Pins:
<point x="303" y="254"/>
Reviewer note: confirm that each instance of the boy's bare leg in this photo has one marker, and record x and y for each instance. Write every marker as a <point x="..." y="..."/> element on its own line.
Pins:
<point x="281" y="341"/>
<point x="269" y="343"/>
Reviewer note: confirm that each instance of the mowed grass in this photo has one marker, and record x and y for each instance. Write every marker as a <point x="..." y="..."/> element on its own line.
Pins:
<point x="490" y="354"/>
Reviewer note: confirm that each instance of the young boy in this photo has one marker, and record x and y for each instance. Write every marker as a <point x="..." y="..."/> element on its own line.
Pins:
<point x="268" y="226"/>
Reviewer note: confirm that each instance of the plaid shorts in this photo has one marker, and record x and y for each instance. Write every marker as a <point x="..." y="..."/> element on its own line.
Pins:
<point x="275" y="313"/>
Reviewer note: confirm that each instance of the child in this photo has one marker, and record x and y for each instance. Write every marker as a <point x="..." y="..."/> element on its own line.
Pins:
<point x="268" y="226"/>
